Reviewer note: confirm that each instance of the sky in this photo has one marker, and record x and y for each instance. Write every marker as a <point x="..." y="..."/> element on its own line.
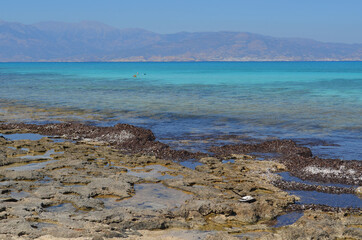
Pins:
<point x="323" y="20"/>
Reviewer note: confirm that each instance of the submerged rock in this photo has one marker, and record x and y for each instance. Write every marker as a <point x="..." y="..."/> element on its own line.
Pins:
<point x="359" y="191"/>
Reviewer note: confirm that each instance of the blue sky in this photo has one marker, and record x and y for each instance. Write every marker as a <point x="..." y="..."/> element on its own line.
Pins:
<point x="324" y="20"/>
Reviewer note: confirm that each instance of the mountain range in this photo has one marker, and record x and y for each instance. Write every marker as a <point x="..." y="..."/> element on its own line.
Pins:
<point x="93" y="41"/>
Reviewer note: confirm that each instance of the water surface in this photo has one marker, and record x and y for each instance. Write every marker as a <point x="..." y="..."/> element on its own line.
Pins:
<point x="299" y="100"/>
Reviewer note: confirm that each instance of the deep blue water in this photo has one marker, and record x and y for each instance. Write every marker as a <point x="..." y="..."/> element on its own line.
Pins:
<point x="333" y="200"/>
<point x="306" y="101"/>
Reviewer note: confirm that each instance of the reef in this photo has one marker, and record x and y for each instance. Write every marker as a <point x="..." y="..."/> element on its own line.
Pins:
<point x="300" y="161"/>
<point x="90" y="182"/>
<point x="128" y="138"/>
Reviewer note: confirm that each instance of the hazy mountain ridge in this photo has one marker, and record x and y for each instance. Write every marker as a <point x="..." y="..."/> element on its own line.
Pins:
<point x="93" y="41"/>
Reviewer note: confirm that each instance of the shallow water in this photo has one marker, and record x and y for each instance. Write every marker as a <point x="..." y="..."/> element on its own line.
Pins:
<point x="47" y="155"/>
<point x="287" y="177"/>
<point x="36" y="162"/>
<point x="19" y="195"/>
<point x="150" y="196"/>
<point x="299" y="100"/>
<point x="63" y="207"/>
<point x="288" y="219"/>
<point x="228" y="161"/>
<point x="43" y="225"/>
<point x="333" y="200"/>
<point x="45" y="180"/>
<point x="5" y="183"/>
<point x="23" y="136"/>
<point x="30" y="136"/>
<point x="318" y="104"/>
<point x="31" y="166"/>
<point x="151" y="171"/>
<point x="190" y="164"/>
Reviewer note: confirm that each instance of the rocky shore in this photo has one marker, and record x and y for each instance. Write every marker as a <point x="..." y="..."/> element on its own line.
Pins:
<point x="89" y="182"/>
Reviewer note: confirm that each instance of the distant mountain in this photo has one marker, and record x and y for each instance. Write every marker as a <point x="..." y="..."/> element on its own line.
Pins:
<point x="93" y="41"/>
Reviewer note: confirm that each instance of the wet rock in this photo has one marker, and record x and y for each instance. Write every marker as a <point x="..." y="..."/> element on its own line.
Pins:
<point x="123" y="136"/>
<point x="318" y="225"/>
<point x="285" y="147"/>
<point x="16" y="227"/>
<point x="46" y="192"/>
<point x="81" y="202"/>
<point x="359" y="191"/>
<point x="321" y="207"/>
<point x="27" y="208"/>
<point x="247" y="213"/>
<point x="107" y="216"/>
<point x="7" y="200"/>
<point x="3" y="140"/>
<point x="300" y="162"/>
<point x="220" y="236"/>
<point x="286" y="185"/>
<point x="21" y="175"/>
<point x="115" y="234"/>
<point x="120" y="187"/>
<point x="98" y="238"/>
<point x="204" y="208"/>
<point x="89" y="190"/>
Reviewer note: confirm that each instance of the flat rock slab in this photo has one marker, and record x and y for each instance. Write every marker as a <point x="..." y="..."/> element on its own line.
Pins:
<point x="93" y="189"/>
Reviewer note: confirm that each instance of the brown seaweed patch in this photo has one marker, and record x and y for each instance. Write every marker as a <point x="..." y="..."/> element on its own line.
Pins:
<point x="126" y="137"/>
<point x="323" y="208"/>
<point x="300" y="162"/>
<point x="286" y="185"/>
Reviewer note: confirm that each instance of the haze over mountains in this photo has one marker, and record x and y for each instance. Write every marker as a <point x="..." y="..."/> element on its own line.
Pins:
<point x="93" y="41"/>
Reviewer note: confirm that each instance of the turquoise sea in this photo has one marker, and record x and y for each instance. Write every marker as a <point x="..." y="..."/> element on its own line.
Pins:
<point x="318" y="104"/>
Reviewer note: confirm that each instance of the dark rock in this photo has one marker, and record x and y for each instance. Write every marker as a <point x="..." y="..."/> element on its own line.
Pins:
<point x="300" y="162"/>
<point x="126" y="137"/>
<point x="285" y="185"/>
<point x="115" y="235"/>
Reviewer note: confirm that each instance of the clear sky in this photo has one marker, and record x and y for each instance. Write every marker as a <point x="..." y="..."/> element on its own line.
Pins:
<point x="324" y="20"/>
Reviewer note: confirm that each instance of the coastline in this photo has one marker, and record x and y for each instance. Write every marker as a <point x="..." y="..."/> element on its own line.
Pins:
<point x="72" y="169"/>
<point x="79" y="192"/>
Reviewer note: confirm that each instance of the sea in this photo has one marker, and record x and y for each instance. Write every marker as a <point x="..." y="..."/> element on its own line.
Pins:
<point x="195" y="105"/>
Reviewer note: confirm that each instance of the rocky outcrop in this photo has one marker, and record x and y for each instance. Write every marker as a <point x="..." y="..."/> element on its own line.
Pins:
<point x="128" y="138"/>
<point x="91" y="189"/>
<point x="300" y="162"/>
